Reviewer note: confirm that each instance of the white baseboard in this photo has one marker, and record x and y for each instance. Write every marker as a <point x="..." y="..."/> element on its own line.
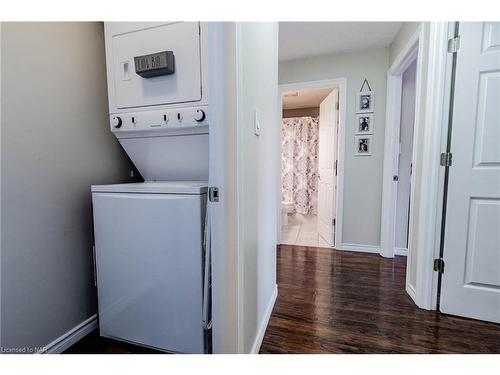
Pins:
<point x="400" y="251"/>
<point x="75" y="334"/>
<point x="359" y="248"/>
<point x="263" y="325"/>
<point x="411" y="292"/>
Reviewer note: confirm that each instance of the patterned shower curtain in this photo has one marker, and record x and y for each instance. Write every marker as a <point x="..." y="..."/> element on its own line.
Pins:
<point x="299" y="171"/>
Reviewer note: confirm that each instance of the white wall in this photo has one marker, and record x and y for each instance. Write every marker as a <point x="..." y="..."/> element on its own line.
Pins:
<point x="257" y="171"/>
<point x="55" y="143"/>
<point x="362" y="174"/>
<point x="406" y="147"/>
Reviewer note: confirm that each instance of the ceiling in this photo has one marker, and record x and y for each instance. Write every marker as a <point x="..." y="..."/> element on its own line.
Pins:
<point x="304" y="98"/>
<point x="304" y="39"/>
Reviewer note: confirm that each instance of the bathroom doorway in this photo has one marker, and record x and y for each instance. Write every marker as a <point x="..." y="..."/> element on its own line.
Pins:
<point x="310" y="164"/>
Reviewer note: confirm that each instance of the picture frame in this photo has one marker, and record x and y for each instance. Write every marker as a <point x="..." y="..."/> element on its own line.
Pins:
<point x="365" y="102"/>
<point x="363" y="145"/>
<point x="364" y="123"/>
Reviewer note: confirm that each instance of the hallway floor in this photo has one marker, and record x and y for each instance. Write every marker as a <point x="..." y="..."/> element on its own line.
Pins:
<point x="302" y="230"/>
<point x="95" y="344"/>
<point x="333" y="301"/>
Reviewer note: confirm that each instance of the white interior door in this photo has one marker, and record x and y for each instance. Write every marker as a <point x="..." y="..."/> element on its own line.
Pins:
<point x="471" y="278"/>
<point x="327" y="159"/>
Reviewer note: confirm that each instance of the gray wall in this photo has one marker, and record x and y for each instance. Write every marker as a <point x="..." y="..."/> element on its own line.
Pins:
<point x="362" y="174"/>
<point x="55" y="143"/>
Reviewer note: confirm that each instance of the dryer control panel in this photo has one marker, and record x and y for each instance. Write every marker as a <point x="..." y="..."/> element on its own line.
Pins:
<point x="192" y="120"/>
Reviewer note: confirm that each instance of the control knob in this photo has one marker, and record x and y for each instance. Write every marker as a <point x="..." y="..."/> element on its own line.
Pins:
<point x="199" y="115"/>
<point x="116" y="122"/>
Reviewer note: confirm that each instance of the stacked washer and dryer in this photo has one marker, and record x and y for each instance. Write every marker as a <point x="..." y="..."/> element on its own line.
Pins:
<point x="152" y="262"/>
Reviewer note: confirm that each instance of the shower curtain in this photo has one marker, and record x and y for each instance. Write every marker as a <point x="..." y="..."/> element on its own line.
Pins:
<point x="299" y="173"/>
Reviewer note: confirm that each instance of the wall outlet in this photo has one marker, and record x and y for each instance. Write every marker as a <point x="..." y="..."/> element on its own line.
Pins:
<point x="257" y="122"/>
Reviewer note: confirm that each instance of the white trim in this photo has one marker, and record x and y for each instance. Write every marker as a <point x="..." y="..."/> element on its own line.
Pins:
<point x="415" y="151"/>
<point x="409" y="53"/>
<point x="341" y="84"/>
<point x="222" y="173"/>
<point x="431" y="187"/>
<point x="436" y="96"/>
<point x="265" y="321"/>
<point x="411" y="291"/>
<point x="238" y="78"/>
<point x="359" y="248"/>
<point x="401" y="251"/>
<point x="217" y="152"/>
<point x="414" y="49"/>
<point x="0" y="179"/>
<point x="389" y="187"/>
<point x="71" y="337"/>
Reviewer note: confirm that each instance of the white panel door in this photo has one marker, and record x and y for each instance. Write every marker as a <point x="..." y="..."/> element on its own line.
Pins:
<point x="327" y="158"/>
<point x="471" y="278"/>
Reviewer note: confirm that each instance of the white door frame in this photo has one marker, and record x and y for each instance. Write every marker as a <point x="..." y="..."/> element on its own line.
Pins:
<point x="434" y="95"/>
<point x="226" y="263"/>
<point x="341" y="84"/>
<point x="0" y="175"/>
<point x="412" y="50"/>
<point x="434" y="143"/>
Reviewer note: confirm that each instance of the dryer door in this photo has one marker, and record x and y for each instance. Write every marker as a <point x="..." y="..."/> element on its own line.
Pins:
<point x="154" y="64"/>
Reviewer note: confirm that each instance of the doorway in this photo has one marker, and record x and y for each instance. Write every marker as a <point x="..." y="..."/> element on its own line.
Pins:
<point x="311" y="161"/>
<point x="399" y="161"/>
<point x="404" y="92"/>
<point x="405" y="165"/>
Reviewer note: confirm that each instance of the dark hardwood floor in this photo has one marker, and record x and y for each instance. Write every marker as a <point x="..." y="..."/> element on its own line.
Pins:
<point x="94" y="344"/>
<point x="344" y="302"/>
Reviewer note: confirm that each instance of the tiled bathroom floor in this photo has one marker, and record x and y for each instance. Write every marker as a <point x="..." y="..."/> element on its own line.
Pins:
<point x="302" y="230"/>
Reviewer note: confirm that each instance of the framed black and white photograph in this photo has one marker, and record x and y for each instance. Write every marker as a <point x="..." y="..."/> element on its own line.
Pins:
<point x="365" y="102"/>
<point x="364" y="123"/>
<point x="363" y="145"/>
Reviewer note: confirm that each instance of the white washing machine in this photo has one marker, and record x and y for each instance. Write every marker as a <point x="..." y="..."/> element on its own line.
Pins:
<point x="150" y="264"/>
<point x="152" y="261"/>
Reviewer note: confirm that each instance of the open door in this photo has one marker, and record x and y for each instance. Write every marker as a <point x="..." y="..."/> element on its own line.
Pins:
<point x="327" y="162"/>
<point x="471" y="276"/>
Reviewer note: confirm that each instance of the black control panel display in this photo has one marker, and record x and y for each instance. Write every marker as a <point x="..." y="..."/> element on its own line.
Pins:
<point x="155" y="64"/>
